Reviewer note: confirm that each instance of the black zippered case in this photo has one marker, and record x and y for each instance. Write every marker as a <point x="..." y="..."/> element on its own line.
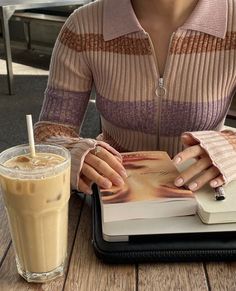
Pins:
<point x="218" y="246"/>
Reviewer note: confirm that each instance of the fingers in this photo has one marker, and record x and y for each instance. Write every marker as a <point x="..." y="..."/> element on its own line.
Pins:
<point x="198" y="167"/>
<point x="189" y="153"/>
<point x="104" y="169"/>
<point x="110" y="159"/>
<point x="202" y="171"/>
<point x="84" y="185"/>
<point x="202" y="179"/>
<point x="207" y="176"/>
<point x="218" y="181"/>
<point x="94" y="176"/>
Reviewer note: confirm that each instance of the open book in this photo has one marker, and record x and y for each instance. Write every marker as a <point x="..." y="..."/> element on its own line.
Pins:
<point x="148" y="192"/>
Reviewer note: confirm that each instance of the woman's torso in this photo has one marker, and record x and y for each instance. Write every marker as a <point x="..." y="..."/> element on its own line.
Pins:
<point x="141" y="110"/>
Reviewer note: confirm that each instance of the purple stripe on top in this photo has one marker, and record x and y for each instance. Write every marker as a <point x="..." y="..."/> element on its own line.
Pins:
<point x="139" y="115"/>
<point x="178" y="117"/>
<point x="64" y="106"/>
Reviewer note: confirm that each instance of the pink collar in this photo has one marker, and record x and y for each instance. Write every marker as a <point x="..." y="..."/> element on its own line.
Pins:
<point x="209" y="16"/>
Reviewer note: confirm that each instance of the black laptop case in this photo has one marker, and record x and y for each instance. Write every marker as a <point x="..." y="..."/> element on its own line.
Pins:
<point x="217" y="246"/>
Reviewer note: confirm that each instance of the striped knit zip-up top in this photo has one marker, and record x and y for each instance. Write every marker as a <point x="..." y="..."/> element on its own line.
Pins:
<point x="104" y="44"/>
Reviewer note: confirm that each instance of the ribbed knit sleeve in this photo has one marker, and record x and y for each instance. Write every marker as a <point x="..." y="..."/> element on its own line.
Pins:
<point x="221" y="147"/>
<point x="66" y="98"/>
<point x="70" y="79"/>
<point x="67" y="137"/>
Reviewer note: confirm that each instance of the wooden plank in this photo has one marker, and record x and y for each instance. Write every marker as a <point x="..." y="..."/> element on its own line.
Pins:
<point x="172" y="276"/>
<point x="5" y="237"/>
<point x="9" y="278"/>
<point x="221" y="275"/>
<point x="86" y="272"/>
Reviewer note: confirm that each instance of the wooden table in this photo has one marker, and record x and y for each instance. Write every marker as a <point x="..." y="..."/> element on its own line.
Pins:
<point x="85" y="272"/>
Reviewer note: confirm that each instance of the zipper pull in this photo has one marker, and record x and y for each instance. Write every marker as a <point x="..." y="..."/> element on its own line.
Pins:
<point x="161" y="90"/>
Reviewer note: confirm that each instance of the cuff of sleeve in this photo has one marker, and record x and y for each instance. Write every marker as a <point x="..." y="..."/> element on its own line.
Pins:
<point x="220" y="151"/>
<point x="78" y="154"/>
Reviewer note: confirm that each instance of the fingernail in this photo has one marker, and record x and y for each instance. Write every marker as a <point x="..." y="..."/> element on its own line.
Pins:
<point x="177" y="160"/>
<point x="107" y="184"/>
<point x="123" y="173"/>
<point x="118" y="181"/>
<point x="213" y="184"/>
<point x="193" y="186"/>
<point x="179" y="182"/>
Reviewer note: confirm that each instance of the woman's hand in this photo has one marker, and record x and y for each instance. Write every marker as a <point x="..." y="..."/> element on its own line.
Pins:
<point x="199" y="173"/>
<point x="103" y="168"/>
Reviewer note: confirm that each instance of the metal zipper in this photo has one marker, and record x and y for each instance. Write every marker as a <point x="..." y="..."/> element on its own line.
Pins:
<point x="161" y="90"/>
<point x="162" y="79"/>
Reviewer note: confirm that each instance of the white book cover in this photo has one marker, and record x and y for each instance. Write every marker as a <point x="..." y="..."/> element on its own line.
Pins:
<point x="211" y="211"/>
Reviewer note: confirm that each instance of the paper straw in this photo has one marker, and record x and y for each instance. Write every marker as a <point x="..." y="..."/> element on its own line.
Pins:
<point x="30" y="134"/>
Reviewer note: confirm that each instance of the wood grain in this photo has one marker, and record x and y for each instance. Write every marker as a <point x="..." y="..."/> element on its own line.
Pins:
<point x="5" y="237"/>
<point x="9" y="278"/>
<point x="221" y="276"/>
<point x="86" y="272"/>
<point x="172" y="276"/>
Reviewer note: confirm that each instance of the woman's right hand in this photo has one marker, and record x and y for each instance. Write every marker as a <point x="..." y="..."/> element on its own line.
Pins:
<point x="103" y="168"/>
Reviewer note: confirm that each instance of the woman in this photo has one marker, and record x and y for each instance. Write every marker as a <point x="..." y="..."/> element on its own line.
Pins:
<point x="161" y="69"/>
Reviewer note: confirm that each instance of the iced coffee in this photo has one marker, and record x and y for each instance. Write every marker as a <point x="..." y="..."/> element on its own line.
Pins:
<point x="36" y="191"/>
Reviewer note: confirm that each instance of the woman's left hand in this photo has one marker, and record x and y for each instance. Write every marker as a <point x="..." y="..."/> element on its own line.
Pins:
<point x="199" y="173"/>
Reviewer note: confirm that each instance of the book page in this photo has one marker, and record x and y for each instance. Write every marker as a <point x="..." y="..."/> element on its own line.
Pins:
<point x="150" y="177"/>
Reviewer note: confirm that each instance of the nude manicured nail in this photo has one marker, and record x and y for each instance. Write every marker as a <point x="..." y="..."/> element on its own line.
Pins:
<point x="107" y="184"/>
<point x="213" y="184"/>
<point x="177" y="160"/>
<point x="123" y="173"/>
<point x="193" y="186"/>
<point x="179" y="182"/>
<point x="118" y="181"/>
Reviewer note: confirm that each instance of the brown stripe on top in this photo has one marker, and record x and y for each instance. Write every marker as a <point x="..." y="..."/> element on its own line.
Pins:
<point x="202" y="43"/>
<point x="44" y="131"/>
<point x="95" y="42"/>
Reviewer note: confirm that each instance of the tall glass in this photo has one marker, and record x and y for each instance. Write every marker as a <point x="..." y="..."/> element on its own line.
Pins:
<point x="36" y="202"/>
